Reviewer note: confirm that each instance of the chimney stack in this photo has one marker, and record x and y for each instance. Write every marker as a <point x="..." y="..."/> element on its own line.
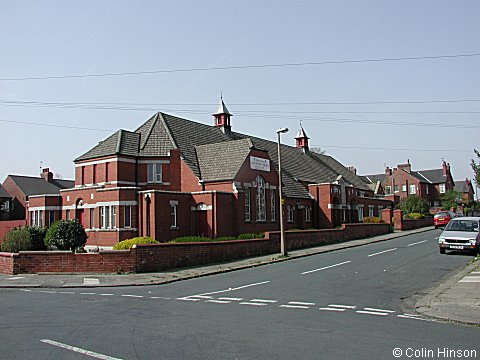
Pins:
<point x="47" y="175"/>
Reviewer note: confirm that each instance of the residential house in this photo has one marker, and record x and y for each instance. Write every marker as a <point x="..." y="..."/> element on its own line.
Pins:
<point x="5" y="204"/>
<point x="465" y="188"/>
<point x="174" y="177"/>
<point x="402" y="181"/>
<point x="22" y="188"/>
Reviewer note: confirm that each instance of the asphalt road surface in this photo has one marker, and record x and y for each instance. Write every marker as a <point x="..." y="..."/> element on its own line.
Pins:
<point x="348" y="304"/>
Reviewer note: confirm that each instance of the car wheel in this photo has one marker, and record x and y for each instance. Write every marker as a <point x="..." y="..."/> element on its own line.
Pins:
<point x="442" y="251"/>
<point x="436" y="227"/>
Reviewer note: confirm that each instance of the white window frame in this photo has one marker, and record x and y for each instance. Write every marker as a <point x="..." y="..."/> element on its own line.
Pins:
<point x="388" y="190"/>
<point x="248" y="207"/>
<point x="290" y="214"/>
<point x="370" y="210"/>
<point x="113" y="217"/>
<point x="442" y="188"/>
<point x="308" y="214"/>
<point x="273" y="204"/>
<point x="360" y="213"/>
<point x="127" y="217"/>
<point x="154" y="173"/>
<point x="412" y="189"/>
<point x="404" y="187"/>
<point x="260" y="199"/>
<point x="173" y="215"/>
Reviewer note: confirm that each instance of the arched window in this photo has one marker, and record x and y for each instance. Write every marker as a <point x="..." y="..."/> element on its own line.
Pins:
<point x="260" y="199"/>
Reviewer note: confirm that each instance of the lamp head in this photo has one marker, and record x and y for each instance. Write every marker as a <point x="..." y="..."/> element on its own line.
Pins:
<point x="282" y="130"/>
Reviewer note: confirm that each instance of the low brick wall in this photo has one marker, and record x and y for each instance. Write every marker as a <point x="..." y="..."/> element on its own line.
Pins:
<point x="7" y="263"/>
<point x="417" y="224"/>
<point x="158" y="257"/>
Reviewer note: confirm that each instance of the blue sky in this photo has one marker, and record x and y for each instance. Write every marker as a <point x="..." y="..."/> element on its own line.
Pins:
<point x="392" y="100"/>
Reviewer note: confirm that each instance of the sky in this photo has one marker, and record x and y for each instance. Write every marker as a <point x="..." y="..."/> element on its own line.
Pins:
<point x="373" y="83"/>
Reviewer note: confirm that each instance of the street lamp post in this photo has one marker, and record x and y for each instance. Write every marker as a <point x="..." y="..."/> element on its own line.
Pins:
<point x="283" y="250"/>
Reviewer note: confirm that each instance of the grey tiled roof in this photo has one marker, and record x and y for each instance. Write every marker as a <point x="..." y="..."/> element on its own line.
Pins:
<point x="199" y="142"/>
<point x="4" y="193"/>
<point x="461" y="186"/>
<point x="434" y="176"/>
<point x="222" y="161"/>
<point x="30" y="185"/>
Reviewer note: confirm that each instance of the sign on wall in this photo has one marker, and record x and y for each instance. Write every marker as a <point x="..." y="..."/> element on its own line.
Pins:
<point x="261" y="164"/>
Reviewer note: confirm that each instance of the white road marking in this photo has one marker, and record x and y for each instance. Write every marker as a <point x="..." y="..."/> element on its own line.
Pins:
<point x="475" y="272"/>
<point x="107" y="294"/>
<point x="382" y="252"/>
<point x="79" y="350"/>
<point x="46" y="291"/>
<point x="66" y="292"/>
<point x="16" y="278"/>
<point x="91" y="281"/>
<point x="332" y="309"/>
<point x="230" y="299"/>
<point x="200" y="296"/>
<point x="470" y="279"/>
<point x="301" y="303"/>
<point x="253" y="303"/>
<point x="188" y="299"/>
<point x="219" y="301"/>
<point x="294" y="306"/>
<point x="420" y="242"/>
<point x="342" y="306"/>
<point x="160" y="297"/>
<point x="371" y="312"/>
<point x="379" y="310"/>
<point x="413" y="317"/>
<point x="26" y="290"/>
<point x="133" y="296"/>
<point x="326" y="267"/>
<point x="88" y="293"/>
<point x="264" y="300"/>
<point x="232" y="289"/>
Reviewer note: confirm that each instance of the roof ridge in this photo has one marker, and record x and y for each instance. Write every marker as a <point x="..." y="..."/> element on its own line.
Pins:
<point x="119" y="141"/>
<point x="144" y="142"/>
<point x="167" y="128"/>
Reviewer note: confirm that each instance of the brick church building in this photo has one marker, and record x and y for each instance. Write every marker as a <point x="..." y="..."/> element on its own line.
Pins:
<point x="174" y="177"/>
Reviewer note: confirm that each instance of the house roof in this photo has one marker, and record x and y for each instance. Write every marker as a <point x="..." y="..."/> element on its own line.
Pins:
<point x="462" y="186"/>
<point x="434" y="176"/>
<point x="4" y="193"/>
<point x="204" y="147"/>
<point x="30" y="185"/>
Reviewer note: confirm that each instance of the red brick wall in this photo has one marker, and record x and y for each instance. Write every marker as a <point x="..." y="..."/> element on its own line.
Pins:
<point x="7" y="263"/>
<point x="159" y="257"/>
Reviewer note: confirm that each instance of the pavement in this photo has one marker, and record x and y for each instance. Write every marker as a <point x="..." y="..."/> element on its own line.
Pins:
<point x="455" y="299"/>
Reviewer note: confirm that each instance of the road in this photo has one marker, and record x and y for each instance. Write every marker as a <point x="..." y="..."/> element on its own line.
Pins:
<point x="348" y="304"/>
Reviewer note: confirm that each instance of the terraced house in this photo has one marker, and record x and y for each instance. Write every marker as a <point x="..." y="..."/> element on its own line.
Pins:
<point x="175" y="177"/>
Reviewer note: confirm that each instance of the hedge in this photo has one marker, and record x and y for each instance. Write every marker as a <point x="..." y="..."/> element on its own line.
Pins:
<point x="127" y="244"/>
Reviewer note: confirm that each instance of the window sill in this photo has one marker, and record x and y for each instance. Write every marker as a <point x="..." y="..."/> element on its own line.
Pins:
<point x="174" y="228"/>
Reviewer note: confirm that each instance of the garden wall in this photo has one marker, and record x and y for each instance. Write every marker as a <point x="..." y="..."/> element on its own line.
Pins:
<point x="158" y="257"/>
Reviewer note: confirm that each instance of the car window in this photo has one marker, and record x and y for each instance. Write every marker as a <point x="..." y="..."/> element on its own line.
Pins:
<point x="462" y="225"/>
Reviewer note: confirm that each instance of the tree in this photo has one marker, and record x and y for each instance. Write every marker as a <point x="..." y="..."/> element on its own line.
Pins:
<point x="414" y="204"/>
<point x="476" y="168"/>
<point x="66" y="235"/>
<point x="450" y="198"/>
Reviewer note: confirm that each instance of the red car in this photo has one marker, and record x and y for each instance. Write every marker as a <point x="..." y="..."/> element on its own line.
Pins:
<point x="442" y="218"/>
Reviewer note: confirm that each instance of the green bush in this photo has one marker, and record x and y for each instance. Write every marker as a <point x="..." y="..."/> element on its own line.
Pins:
<point x="414" y="204"/>
<point x="37" y="235"/>
<point x="18" y="239"/>
<point x="251" y="236"/>
<point x="372" y="220"/>
<point x="49" y="234"/>
<point x="413" y="216"/>
<point x="127" y="244"/>
<point x="191" y="239"/>
<point x="67" y="235"/>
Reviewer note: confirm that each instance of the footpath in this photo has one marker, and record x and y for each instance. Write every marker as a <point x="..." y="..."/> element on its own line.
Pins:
<point x="456" y="299"/>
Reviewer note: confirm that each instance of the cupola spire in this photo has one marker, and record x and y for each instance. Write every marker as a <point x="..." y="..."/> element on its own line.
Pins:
<point x="222" y="117"/>
<point x="302" y="139"/>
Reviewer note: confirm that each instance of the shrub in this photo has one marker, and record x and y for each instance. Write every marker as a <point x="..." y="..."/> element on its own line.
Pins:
<point x="49" y="234"/>
<point x="18" y="239"/>
<point x="37" y="235"/>
<point x="251" y="236"/>
<point x="372" y="220"/>
<point x="67" y="235"/>
<point x="413" y="216"/>
<point x="190" y="239"/>
<point x="413" y="204"/>
<point x="225" y="238"/>
<point x="127" y="244"/>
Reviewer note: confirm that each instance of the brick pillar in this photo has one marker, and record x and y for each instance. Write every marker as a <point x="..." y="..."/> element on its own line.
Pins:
<point x="397" y="220"/>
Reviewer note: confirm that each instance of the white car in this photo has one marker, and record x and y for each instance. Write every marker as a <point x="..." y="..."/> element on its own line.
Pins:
<point x="461" y="234"/>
